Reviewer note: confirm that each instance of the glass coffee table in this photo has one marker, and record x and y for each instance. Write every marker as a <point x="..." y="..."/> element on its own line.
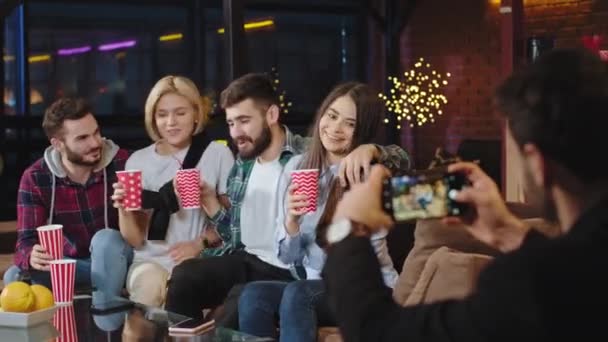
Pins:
<point x="139" y="323"/>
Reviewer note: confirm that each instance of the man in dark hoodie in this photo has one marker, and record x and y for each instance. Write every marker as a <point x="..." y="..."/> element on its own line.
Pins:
<point x="540" y="289"/>
<point x="71" y="186"/>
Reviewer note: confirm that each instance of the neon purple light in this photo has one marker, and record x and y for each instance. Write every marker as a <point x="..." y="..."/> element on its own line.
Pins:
<point x="74" y="51"/>
<point x="117" y="45"/>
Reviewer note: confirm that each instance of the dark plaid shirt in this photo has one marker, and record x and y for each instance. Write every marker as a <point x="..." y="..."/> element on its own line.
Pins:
<point x="228" y="222"/>
<point x="78" y="207"/>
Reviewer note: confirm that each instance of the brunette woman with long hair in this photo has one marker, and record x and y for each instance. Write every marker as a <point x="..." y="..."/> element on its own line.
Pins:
<point x="348" y="117"/>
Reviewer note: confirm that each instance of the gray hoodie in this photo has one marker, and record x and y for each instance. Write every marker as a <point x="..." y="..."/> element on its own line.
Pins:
<point x="52" y="159"/>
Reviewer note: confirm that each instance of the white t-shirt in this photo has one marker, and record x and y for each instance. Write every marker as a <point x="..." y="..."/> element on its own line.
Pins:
<point x="259" y="212"/>
<point x="186" y="224"/>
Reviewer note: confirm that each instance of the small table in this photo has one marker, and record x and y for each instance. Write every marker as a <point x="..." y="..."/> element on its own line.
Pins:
<point x="140" y="323"/>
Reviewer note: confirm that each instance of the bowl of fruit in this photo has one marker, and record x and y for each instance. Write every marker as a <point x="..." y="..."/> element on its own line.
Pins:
<point x="24" y="305"/>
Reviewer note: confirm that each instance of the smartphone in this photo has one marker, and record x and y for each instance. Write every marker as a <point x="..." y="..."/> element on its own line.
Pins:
<point x="111" y="306"/>
<point x="192" y="326"/>
<point x="424" y="195"/>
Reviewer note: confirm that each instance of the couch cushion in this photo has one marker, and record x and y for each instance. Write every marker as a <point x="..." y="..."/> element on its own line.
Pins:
<point x="432" y="234"/>
<point x="447" y="274"/>
<point x="429" y="236"/>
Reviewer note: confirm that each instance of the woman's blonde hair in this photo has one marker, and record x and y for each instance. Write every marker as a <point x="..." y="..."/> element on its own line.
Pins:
<point x="174" y="85"/>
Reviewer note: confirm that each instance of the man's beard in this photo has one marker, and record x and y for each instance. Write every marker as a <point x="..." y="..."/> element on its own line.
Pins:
<point x="259" y="145"/>
<point x="78" y="159"/>
<point x="539" y="198"/>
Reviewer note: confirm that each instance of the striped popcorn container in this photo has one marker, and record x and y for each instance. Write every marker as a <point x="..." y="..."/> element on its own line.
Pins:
<point x="188" y="183"/>
<point x="65" y="322"/>
<point x="51" y="238"/>
<point x="308" y="184"/>
<point x="63" y="275"/>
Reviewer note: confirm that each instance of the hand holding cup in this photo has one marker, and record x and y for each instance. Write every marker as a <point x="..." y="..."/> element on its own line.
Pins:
<point x="130" y="196"/>
<point x="40" y="259"/>
<point x="296" y="203"/>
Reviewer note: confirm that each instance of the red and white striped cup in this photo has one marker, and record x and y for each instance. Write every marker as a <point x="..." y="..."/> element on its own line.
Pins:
<point x="63" y="276"/>
<point x="65" y="322"/>
<point x="131" y="180"/>
<point x="51" y="238"/>
<point x="188" y="183"/>
<point x="308" y="184"/>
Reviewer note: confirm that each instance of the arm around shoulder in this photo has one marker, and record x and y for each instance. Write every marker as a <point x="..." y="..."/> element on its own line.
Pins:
<point x="394" y="157"/>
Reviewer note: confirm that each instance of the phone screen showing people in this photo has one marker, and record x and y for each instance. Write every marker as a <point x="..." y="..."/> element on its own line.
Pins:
<point x="424" y="195"/>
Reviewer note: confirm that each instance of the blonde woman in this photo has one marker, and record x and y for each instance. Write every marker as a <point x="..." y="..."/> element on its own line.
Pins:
<point x="173" y="115"/>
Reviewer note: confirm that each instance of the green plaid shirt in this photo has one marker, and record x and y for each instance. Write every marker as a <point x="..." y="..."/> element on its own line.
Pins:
<point x="228" y="222"/>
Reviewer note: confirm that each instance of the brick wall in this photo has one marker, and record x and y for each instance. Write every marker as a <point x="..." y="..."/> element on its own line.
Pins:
<point x="567" y="20"/>
<point x="463" y="37"/>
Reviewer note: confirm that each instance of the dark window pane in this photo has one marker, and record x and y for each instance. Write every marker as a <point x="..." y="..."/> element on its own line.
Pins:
<point x="10" y="64"/>
<point x="308" y="52"/>
<point x="109" y="53"/>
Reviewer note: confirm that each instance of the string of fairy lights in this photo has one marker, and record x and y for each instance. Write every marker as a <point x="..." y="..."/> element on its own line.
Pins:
<point x="416" y="97"/>
<point x="284" y="103"/>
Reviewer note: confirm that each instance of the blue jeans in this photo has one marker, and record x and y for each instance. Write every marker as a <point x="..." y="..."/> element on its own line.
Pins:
<point x="107" y="322"/>
<point x="301" y="306"/>
<point x="105" y="270"/>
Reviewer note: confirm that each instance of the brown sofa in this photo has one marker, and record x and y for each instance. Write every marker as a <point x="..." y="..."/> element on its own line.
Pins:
<point x="443" y="264"/>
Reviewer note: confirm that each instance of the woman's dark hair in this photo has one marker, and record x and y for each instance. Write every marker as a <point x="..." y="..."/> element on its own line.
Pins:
<point x="335" y="194"/>
<point x="369" y="115"/>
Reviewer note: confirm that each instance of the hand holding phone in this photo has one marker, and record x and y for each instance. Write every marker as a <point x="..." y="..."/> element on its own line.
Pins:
<point x="490" y="221"/>
<point x="192" y="326"/>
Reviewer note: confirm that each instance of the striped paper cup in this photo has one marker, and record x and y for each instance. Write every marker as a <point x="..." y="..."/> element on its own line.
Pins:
<point x="308" y="183"/>
<point x="51" y="238"/>
<point x="63" y="276"/>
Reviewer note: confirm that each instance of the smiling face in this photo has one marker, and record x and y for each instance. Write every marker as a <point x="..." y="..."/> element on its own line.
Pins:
<point x="174" y="118"/>
<point x="337" y="126"/>
<point x="249" y="128"/>
<point x="80" y="141"/>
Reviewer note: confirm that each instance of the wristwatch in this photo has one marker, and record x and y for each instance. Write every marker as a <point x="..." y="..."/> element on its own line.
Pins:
<point x="339" y="230"/>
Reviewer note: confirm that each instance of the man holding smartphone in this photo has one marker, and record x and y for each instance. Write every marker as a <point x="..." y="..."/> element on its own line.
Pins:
<point x="541" y="289"/>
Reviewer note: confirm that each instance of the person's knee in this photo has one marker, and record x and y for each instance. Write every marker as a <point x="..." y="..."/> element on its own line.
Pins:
<point x="296" y="295"/>
<point x="11" y="274"/>
<point x="250" y="294"/>
<point x="109" y="241"/>
<point x="147" y="284"/>
<point x="109" y="322"/>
